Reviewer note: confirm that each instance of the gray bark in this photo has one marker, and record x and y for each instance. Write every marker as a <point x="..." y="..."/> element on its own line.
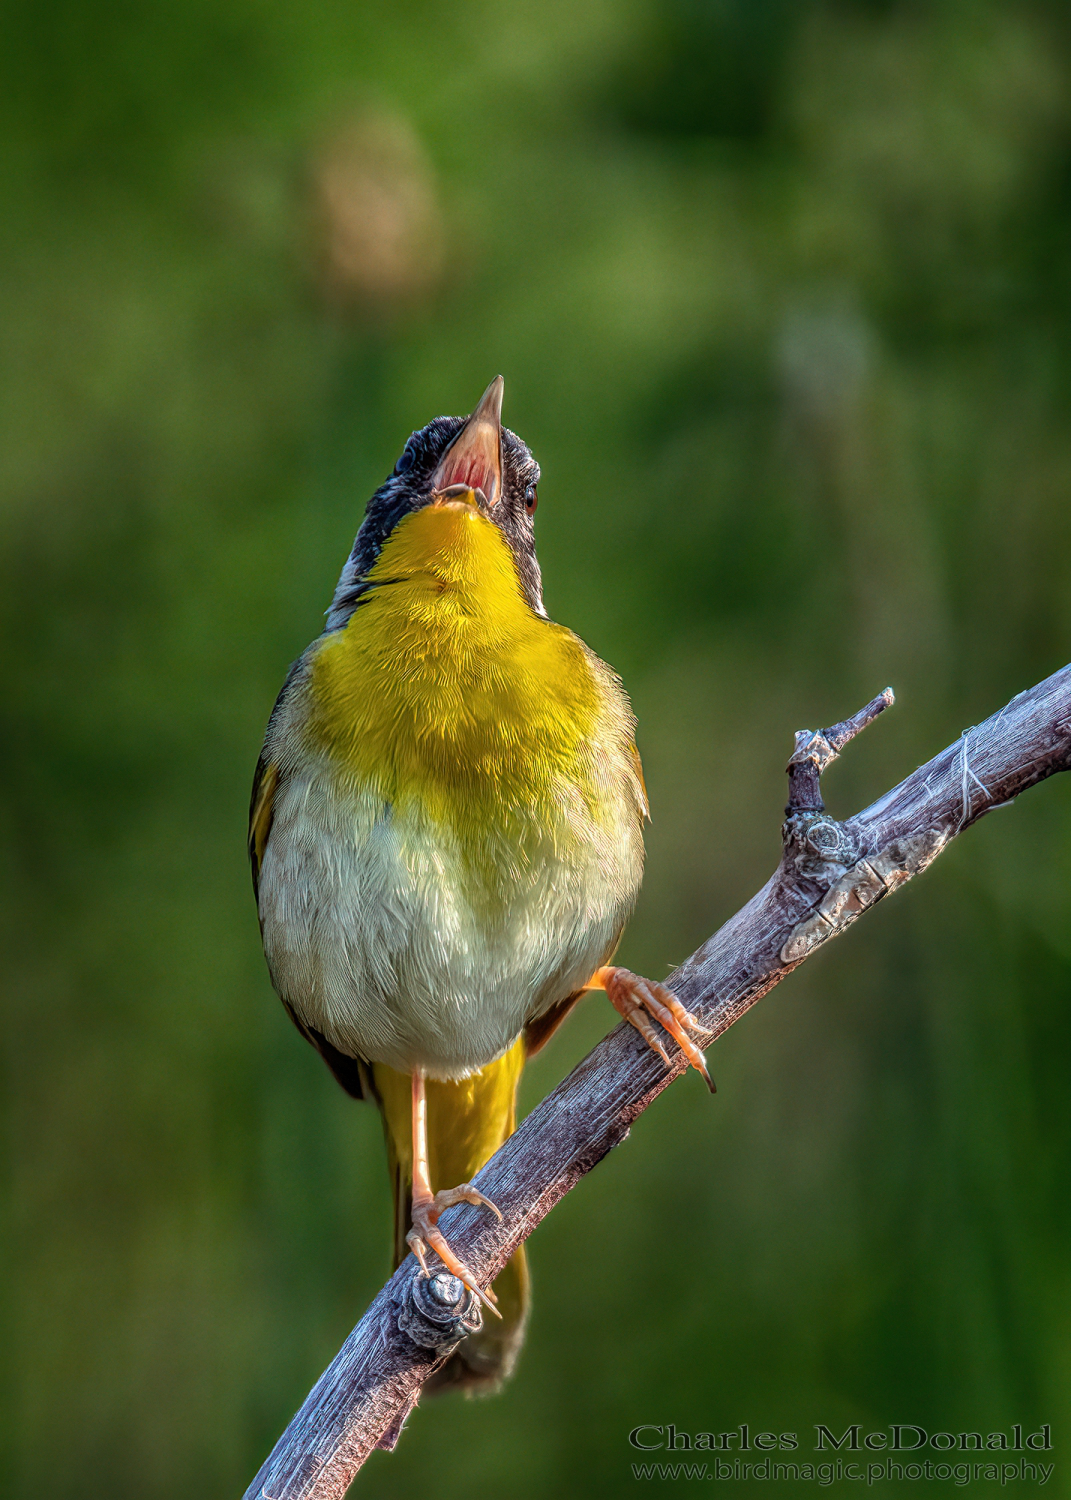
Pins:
<point x="829" y="874"/>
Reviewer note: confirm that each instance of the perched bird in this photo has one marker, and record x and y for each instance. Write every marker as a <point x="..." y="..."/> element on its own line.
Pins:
<point x="445" y="833"/>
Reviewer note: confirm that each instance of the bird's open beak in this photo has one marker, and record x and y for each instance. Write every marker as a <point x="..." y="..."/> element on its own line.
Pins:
<point x="473" y="462"/>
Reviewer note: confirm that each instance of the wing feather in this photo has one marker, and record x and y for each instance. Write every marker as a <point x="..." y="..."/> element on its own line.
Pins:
<point x="261" y="806"/>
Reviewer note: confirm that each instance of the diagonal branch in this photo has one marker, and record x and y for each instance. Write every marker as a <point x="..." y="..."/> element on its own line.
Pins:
<point x="829" y="874"/>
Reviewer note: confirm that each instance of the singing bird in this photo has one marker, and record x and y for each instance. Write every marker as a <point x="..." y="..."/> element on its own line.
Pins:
<point x="446" y="834"/>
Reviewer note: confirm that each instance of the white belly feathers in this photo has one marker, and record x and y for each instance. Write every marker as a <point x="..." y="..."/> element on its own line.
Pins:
<point x="374" y="936"/>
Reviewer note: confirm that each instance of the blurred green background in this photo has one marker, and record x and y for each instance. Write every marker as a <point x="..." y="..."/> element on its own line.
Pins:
<point x="781" y="293"/>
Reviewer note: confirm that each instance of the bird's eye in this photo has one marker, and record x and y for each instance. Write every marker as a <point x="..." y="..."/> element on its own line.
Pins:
<point x="408" y="455"/>
<point x="531" y="499"/>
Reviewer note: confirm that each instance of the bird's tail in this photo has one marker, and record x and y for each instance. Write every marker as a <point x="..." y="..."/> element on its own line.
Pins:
<point x="467" y="1122"/>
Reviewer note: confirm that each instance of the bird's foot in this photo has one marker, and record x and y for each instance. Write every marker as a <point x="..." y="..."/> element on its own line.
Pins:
<point x="425" y="1235"/>
<point x="642" y="1000"/>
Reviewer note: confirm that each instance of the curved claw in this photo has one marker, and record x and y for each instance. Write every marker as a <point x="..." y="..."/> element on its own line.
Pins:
<point x="466" y="1193"/>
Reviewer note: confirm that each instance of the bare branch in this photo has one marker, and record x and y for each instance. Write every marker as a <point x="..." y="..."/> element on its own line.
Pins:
<point x="829" y="874"/>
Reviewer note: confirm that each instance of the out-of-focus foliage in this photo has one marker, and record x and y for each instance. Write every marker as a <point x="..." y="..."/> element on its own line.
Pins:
<point x="781" y="293"/>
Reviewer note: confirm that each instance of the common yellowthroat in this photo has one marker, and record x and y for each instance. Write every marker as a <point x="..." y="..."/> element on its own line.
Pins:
<point x="445" y="833"/>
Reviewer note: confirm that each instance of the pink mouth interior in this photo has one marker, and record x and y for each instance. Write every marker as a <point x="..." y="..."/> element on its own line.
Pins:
<point x="469" y="470"/>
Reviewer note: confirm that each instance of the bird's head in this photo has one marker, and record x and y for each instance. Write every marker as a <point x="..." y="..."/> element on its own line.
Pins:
<point x="453" y="462"/>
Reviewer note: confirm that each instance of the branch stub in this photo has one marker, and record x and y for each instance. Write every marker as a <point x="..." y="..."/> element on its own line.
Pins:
<point x="436" y="1311"/>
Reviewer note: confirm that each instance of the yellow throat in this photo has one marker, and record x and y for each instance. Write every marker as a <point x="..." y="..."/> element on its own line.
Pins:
<point x="447" y="689"/>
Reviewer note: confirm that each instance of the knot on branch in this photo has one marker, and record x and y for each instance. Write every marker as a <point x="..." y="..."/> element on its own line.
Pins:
<point x="436" y="1311"/>
<point x="866" y="882"/>
<point x="814" y="841"/>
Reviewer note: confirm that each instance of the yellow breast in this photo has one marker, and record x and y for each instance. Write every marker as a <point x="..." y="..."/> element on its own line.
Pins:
<point x="446" y="689"/>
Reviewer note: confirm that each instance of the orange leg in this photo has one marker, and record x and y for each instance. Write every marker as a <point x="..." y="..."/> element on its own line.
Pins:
<point x="427" y="1206"/>
<point x="640" y="1001"/>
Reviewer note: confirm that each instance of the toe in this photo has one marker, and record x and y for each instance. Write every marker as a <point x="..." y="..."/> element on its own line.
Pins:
<point x="466" y="1193"/>
<point x="637" y="999"/>
<point x="670" y="1001"/>
<point x="668" y="1020"/>
<point x="418" y="1246"/>
<point x="636" y="1016"/>
<point x="458" y="1268"/>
